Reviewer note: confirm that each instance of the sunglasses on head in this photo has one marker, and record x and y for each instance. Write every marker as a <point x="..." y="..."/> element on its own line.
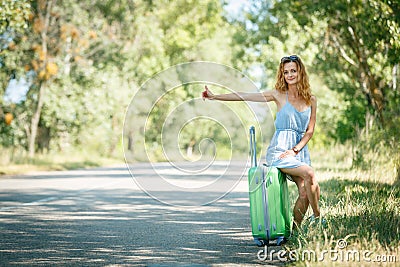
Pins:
<point x="289" y="58"/>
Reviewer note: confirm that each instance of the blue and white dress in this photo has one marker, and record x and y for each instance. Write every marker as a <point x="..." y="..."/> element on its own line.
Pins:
<point x="290" y="126"/>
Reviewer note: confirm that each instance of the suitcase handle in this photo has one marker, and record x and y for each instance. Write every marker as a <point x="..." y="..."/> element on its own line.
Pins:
<point x="253" y="151"/>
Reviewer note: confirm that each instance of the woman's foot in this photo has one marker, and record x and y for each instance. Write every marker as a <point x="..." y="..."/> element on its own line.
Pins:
<point x="317" y="220"/>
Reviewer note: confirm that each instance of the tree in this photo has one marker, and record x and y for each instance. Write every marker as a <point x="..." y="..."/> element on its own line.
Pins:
<point x="356" y="50"/>
<point x="361" y="39"/>
<point x="86" y="58"/>
<point x="180" y="31"/>
<point x="360" y="44"/>
<point x="57" y="50"/>
<point x="357" y="46"/>
<point x="13" y="20"/>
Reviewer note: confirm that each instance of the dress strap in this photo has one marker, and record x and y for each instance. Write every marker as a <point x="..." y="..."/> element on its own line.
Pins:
<point x="287" y="96"/>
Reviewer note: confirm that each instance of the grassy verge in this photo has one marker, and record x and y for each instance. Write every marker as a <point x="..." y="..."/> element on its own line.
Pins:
<point x="362" y="207"/>
<point x="22" y="164"/>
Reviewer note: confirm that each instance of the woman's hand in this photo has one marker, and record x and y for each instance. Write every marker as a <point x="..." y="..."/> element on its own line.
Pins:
<point x="238" y="96"/>
<point x="287" y="153"/>
<point x="207" y="94"/>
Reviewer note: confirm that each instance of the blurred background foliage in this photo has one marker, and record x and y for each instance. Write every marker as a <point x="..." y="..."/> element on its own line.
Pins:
<point x="78" y="64"/>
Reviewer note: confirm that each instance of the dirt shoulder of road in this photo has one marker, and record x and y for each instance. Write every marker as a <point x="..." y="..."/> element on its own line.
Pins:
<point x="25" y="168"/>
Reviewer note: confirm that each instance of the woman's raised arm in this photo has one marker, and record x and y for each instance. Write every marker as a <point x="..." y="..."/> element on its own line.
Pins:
<point x="240" y="96"/>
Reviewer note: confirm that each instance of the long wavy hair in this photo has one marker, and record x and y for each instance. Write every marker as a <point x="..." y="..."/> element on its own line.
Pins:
<point x="303" y="85"/>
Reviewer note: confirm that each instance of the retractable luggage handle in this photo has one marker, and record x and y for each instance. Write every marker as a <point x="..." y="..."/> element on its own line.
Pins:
<point x="253" y="150"/>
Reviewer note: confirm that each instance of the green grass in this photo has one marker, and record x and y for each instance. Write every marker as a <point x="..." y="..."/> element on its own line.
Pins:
<point x="20" y="163"/>
<point x="362" y="206"/>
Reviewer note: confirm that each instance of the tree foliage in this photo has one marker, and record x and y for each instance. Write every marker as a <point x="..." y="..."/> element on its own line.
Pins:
<point x="14" y="15"/>
<point x="85" y="59"/>
<point x="353" y="48"/>
<point x="366" y="37"/>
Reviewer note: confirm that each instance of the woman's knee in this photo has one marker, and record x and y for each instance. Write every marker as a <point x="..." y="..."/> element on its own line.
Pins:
<point x="309" y="176"/>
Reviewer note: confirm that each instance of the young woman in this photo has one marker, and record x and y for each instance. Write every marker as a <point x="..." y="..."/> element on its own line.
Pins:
<point x="295" y="123"/>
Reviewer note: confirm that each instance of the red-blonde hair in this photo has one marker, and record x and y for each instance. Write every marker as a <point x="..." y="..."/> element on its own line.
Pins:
<point x="303" y="85"/>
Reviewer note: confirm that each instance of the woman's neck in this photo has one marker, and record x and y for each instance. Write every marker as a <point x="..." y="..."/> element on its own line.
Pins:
<point x="292" y="91"/>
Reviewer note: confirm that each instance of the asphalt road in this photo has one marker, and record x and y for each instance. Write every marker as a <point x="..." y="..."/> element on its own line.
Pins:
<point x="101" y="217"/>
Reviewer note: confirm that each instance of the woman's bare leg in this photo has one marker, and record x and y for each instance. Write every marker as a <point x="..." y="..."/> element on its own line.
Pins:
<point x="302" y="203"/>
<point x="310" y="184"/>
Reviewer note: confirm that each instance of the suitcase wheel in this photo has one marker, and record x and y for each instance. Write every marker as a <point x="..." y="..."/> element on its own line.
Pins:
<point x="280" y="240"/>
<point x="259" y="242"/>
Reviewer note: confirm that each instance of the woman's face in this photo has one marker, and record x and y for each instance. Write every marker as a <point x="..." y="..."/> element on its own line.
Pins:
<point x="290" y="73"/>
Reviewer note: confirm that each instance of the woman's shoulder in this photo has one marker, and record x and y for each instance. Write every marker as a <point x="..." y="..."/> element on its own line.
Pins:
<point x="313" y="99"/>
<point x="274" y="94"/>
<point x="279" y="95"/>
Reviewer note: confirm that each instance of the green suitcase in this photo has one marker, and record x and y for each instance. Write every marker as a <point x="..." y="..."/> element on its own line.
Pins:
<point x="270" y="213"/>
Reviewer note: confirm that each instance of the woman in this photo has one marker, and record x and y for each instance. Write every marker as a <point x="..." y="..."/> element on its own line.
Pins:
<point x="295" y="123"/>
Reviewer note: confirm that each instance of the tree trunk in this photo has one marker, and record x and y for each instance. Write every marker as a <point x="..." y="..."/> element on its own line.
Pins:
<point x="45" y="18"/>
<point x="35" y="122"/>
<point x="375" y="92"/>
<point x="370" y="87"/>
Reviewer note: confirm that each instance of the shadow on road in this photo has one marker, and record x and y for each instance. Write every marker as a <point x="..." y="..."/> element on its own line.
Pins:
<point x="123" y="226"/>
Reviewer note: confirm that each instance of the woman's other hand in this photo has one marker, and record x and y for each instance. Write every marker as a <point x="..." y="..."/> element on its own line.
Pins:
<point x="287" y="153"/>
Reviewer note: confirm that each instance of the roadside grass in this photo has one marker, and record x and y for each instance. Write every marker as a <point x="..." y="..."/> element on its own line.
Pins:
<point x="362" y="207"/>
<point x="20" y="163"/>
